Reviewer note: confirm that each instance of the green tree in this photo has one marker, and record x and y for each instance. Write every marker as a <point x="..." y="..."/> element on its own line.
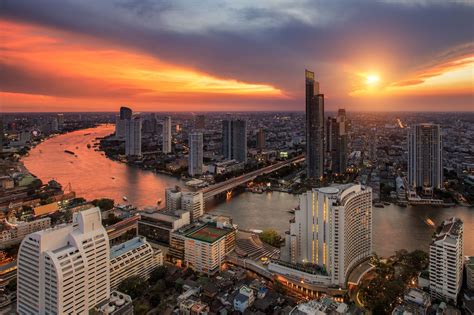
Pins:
<point x="11" y="286"/>
<point x="104" y="203"/>
<point x="134" y="286"/>
<point x="271" y="237"/>
<point x="157" y="274"/>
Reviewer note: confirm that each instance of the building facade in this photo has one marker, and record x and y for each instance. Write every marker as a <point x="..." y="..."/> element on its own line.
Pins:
<point x="314" y="128"/>
<point x="195" y="162"/>
<point x="64" y="270"/>
<point x="133" y="137"/>
<point x="332" y="230"/>
<point x="336" y="142"/>
<point x="194" y="203"/>
<point x="173" y="197"/>
<point x="446" y="260"/>
<point x="167" y="135"/>
<point x="234" y="140"/>
<point x="425" y="157"/>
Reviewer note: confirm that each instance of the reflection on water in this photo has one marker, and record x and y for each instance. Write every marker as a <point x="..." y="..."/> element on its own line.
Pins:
<point x="92" y="175"/>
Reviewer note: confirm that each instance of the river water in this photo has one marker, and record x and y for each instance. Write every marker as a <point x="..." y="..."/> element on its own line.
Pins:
<point x="92" y="175"/>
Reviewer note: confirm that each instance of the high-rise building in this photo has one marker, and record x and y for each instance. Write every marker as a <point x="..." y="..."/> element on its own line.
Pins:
<point x="333" y="230"/>
<point x="64" y="270"/>
<point x="446" y="261"/>
<point x="194" y="203"/>
<point x="200" y="122"/>
<point x="125" y="113"/>
<point x="337" y="142"/>
<point x="54" y="125"/>
<point x="61" y="120"/>
<point x="425" y="157"/>
<point x="133" y="137"/>
<point x="234" y="140"/>
<point x="314" y="128"/>
<point x="260" y="139"/>
<point x="195" y="162"/>
<point x="134" y="257"/>
<point x="470" y="272"/>
<point x="173" y="197"/>
<point x="121" y="122"/>
<point x="167" y="135"/>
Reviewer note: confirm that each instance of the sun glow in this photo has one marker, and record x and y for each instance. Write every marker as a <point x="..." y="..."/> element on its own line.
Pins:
<point x="372" y="79"/>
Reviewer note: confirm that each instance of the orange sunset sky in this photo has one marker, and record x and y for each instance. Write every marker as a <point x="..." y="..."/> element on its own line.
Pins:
<point x="238" y="56"/>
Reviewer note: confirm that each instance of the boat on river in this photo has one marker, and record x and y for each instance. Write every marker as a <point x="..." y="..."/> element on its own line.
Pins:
<point x="69" y="152"/>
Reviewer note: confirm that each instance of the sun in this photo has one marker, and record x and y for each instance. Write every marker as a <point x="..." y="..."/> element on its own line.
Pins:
<point x="372" y="79"/>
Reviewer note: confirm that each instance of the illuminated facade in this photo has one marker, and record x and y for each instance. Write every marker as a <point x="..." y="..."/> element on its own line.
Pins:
<point x="195" y="162"/>
<point x="133" y="137"/>
<point x="167" y="135"/>
<point x="332" y="230"/>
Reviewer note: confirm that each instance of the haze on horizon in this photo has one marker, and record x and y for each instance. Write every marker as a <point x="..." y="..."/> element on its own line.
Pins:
<point x="183" y="55"/>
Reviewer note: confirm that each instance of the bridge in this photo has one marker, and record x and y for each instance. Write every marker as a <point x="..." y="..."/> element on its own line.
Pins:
<point x="226" y="186"/>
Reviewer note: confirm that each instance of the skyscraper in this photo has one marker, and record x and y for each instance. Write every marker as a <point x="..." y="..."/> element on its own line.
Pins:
<point x="260" y="139"/>
<point x="173" y="198"/>
<point x="64" y="270"/>
<point x="133" y="137"/>
<point x="425" y="158"/>
<point x="337" y="142"/>
<point x="446" y="261"/>
<point x="332" y="229"/>
<point x="125" y="113"/>
<point x="195" y="153"/>
<point x="200" y="122"/>
<point x="167" y="135"/>
<point x="314" y="128"/>
<point x="121" y="122"/>
<point x="234" y="140"/>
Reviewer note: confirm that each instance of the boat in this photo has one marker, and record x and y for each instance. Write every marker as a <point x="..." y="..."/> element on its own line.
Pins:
<point x="291" y="211"/>
<point x="386" y="203"/>
<point x="77" y="148"/>
<point x="88" y="145"/>
<point x="378" y="205"/>
<point x="69" y="152"/>
<point x="124" y="198"/>
<point x="159" y="201"/>
<point x="86" y="134"/>
<point x="113" y="177"/>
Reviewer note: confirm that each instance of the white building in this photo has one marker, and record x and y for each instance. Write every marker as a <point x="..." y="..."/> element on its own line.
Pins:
<point x="194" y="203"/>
<point x="64" y="270"/>
<point x="332" y="230"/>
<point x="167" y="135"/>
<point x="244" y="299"/>
<point x="173" y="198"/>
<point x="18" y="230"/>
<point x="425" y="157"/>
<point x="134" y="257"/>
<point x="195" y="154"/>
<point x="446" y="260"/>
<point x="133" y="137"/>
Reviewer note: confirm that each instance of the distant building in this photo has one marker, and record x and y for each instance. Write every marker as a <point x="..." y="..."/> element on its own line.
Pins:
<point x="157" y="226"/>
<point x="195" y="154"/>
<point x="134" y="257"/>
<point x="205" y="248"/>
<point x="133" y="137"/>
<point x="332" y="232"/>
<point x="446" y="261"/>
<point x="121" y="122"/>
<point x="234" y="140"/>
<point x="64" y="270"/>
<point x="125" y="113"/>
<point x="118" y="304"/>
<point x="260" y="139"/>
<point x="167" y="135"/>
<point x="54" y="125"/>
<point x="425" y="156"/>
<point x="200" y="122"/>
<point x="192" y="307"/>
<point x="337" y="142"/>
<point x="61" y="121"/>
<point x="18" y="230"/>
<point x="173" y="198"/>
<point x="194" y="203"/>
<point x="314" y="128"/>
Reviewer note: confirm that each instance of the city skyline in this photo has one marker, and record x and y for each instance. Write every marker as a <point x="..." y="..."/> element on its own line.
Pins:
<point x="384" y="56"/>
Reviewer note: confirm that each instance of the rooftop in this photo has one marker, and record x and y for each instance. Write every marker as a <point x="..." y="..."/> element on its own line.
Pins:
<point x="122" y="248"/>
<point x="208" y="234"/>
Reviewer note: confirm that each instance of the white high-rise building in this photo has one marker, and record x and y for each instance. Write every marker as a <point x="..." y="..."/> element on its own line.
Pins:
<point x="173" y="198"/>
<point x="195" y="162"/>
<point x="425" y="156"/>
<point x="167" y="135"/>
<point x="194" y="203"/>
<point x="133" y="137"/>
<point x="134" y="257"/>
<point x="332" y="229"/>
<point x="64" y="270"/>
<point x="446" y="260"/>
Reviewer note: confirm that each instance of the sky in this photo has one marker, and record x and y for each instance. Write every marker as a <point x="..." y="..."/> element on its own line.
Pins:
<point x="235" y="55"/>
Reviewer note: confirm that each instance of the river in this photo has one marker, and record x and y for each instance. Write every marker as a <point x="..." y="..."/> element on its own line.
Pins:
<point x="92" y="175"/>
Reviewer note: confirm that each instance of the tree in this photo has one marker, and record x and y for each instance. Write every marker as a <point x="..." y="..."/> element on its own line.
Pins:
<point x="271" y="237"/>
<point x="104" y="203"/>
<point x="11" y="286"/>
<point x="134" y="286"/>
<point x="157" y="274"/>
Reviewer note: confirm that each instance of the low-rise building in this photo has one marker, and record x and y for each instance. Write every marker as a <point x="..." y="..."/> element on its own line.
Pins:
<point x="192" y="307"/>
<point x="244" y="299"/>
<point x="157" y="226"/>
<point x="118" y="304"/>
<point x="14" y="232"/>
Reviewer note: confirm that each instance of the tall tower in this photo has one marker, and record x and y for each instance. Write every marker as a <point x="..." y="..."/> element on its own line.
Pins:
<point x="121" y="122"/>
<point x="133" y="137"/>
<point x="64" y="270"/>
<point x="425" y="157"/>
<point x="337" y="142"/>
<point x="167" y="135"/>
<point x="332" y="229"/>
<point x="314" y="128"/>
<point x="195" y="154"/>
<point x="234" y="140"/>
<point x="125" y="113"/>
<point x="446" y="261"/>
<point x="260" y="139"/>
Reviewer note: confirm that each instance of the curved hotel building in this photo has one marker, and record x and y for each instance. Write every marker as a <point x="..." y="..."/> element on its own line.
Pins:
<point x="330" y="235"/>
